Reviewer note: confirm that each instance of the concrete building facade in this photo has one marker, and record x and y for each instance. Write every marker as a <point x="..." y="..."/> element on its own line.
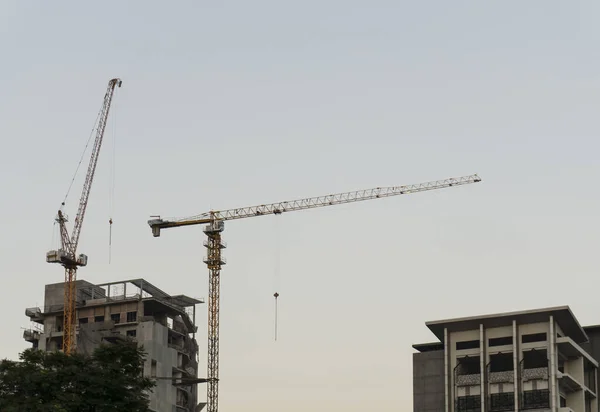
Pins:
<point x="132" y="309"/>
<point x="538" y="360"/>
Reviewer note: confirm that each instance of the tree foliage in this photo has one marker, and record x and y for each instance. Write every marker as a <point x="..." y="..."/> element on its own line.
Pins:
<point x="108" y="381"/>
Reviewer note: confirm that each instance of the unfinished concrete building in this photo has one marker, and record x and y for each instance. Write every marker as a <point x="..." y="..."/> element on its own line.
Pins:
<point x="134" y="309"/>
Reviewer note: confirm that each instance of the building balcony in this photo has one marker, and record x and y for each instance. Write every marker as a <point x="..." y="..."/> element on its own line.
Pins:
<point x="180" y="328"/>
<point x="536" y="399"/>
<point x="501" y="377"/>
<point x="177" y="346"/>
<point x="182" y="399"/>
<point x="568" y="383"/>
<point x="468" y="403"/>
<point x="501" y="402"/>
<point x="468" y="380"/>
<point x="535" y="374"/>
<point x="568" y="347"/>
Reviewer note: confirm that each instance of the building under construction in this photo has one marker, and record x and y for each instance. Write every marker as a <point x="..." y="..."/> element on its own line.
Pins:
<point x="134" y="309"/>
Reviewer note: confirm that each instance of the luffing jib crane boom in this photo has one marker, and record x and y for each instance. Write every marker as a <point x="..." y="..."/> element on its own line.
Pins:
<point x="67" y="254"/>
<point x="214" y="221"/>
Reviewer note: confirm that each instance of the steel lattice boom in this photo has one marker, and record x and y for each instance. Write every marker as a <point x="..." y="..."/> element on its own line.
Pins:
<point x="214" y="221"/>
<point x="308" y="203"/>
<point x="67" y="254"/>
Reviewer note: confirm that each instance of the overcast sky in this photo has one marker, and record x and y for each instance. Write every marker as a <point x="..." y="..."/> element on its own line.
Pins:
<point x="234" y="103"/>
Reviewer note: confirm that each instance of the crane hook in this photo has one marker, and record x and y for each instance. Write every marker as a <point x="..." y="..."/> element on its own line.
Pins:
<point x="276" y="295"/>
<point x="110" y="222"/>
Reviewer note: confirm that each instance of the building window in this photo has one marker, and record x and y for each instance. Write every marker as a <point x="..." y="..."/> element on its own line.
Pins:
<point x="131" y="316"/>
<point x="589" y="378"/>
<point x="116" y="317"/>
<point x="561" y="366"/>
<point x="153" y="369"/>
<point x="534" y="337"/>
<point x="501" y="362"/>
<point x="132" y="333"/>
<point x="99" y="319"/>
<point x="588" y="404"/>
<point x="83" y="320"/>
<point x="469" y="344"/>
<point x="501" y="341"/>
<point x="534" y="359"/>
<point x="469" y="365"/>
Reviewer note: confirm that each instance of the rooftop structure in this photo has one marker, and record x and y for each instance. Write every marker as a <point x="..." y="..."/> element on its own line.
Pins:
<point x="130" y="309"/>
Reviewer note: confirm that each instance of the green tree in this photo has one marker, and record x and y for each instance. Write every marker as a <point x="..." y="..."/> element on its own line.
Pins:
<point x="110" y="380"/>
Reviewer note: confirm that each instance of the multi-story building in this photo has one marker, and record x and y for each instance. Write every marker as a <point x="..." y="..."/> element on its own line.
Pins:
<point x="130" y="309"/>
<point x="537" y="360"/>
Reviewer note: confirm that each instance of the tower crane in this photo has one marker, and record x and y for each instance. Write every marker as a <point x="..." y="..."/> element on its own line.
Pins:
<point x="67" y="254"/>
<point x="214" y="221"/>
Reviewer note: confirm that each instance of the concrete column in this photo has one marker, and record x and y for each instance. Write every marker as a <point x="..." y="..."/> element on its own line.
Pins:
<point x="194" y="334"/>
<point x="446" y="368"/>
<point x="482" y="363"/>
<point x="516" y="364"/>
<point x="552" y="343"/>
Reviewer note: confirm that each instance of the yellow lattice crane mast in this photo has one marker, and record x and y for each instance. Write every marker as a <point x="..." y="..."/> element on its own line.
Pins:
<point x="214" y="221"/>
<point x="67" y="254"/>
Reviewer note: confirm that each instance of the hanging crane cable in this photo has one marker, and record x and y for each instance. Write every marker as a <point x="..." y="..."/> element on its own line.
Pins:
<point x="111" y="189"/>
<point x="81" y="158"/>
<point x="277" y="268"/>
<point x="276" y="295"/>
<point x="94" y="127"/>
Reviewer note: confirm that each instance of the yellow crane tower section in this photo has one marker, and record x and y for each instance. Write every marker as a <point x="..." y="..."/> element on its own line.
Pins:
<point x="214" y="221"/>
<point x="67" y="254"/>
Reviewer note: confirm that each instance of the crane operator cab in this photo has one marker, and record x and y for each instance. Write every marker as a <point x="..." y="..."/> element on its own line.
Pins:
<point x="62" y="257"/>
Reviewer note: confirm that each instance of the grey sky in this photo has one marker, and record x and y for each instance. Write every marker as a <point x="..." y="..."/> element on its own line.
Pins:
<point x="234" y="103"/>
